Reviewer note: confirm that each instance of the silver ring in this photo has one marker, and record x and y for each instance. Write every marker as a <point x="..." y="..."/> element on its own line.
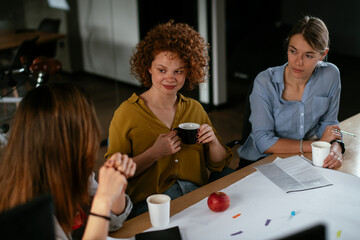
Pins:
<point x="338" y="158"/>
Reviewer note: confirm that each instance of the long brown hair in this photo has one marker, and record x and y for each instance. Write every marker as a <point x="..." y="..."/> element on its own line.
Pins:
<point x="52" y="147"/>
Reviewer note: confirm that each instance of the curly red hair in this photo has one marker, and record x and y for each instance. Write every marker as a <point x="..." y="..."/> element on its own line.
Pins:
<point x="178" y="38"/>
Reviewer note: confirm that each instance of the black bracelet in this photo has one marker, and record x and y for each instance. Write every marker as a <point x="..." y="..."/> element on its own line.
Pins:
<point x="341" y="144"/>
<point x="98" y="215"/>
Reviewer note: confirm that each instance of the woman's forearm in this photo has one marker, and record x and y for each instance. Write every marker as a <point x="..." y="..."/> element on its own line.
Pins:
<point x="144" y="160"/>
<point x="285" y="145"/>
<point x="119" y="204"/>
<point x="98" y="227"/>
<point x="217" y="151"/>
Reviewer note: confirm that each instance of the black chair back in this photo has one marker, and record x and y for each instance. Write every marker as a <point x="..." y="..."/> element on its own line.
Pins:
<point x="246" y="127"/>
<point x="25" y="52"/>
<point x="51" y="26"/>
<point x="32" y="220"/>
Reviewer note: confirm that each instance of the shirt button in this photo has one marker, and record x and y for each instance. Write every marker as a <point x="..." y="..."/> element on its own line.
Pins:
<point x="176" y="160"/>
<point x="302" y="114"/>
<point x="301" y="126"/>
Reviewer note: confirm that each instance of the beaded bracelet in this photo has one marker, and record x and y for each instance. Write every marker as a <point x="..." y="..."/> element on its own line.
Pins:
<point x="301" y="146"/>
<point x="98" y="215"/>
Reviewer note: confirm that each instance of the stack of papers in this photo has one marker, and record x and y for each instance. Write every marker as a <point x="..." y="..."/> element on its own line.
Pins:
<point x="294" y="174"/>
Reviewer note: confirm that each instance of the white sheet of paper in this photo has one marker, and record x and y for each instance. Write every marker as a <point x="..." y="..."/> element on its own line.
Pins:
<point x="293" y="174"/>
<point x="257" y="199"/>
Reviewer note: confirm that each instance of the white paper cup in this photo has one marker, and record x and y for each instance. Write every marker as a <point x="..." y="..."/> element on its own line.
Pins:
<point x="320" y="150"/>
<point x="159" y="209"/>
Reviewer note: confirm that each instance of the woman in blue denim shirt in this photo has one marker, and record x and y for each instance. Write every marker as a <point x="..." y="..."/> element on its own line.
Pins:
<point x="295" y="102"/>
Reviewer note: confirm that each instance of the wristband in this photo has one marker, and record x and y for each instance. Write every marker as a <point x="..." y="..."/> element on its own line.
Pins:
<point x="301" y="146"/>
<point x="341" y="144"/>
<point x="101" y="216"/>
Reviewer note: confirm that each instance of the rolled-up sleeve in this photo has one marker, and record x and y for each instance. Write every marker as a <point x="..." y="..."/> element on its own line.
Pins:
<point x="116" y="221"/>
<point x="331" y="115"/>
<point x="262" y="118"/>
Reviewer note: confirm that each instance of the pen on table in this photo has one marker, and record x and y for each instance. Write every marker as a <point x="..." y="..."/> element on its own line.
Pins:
<point x="346" y="133"/>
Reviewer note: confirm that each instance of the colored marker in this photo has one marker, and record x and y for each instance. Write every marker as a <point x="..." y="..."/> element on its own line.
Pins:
<point x="292" y="213"/>
<point x="236" y="233"/>
<point x="267" y="222"/>
<point x="236" y="215"/>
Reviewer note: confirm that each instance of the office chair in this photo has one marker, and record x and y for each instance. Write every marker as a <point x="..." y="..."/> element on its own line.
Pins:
<point x="246" y="127"/>
<point x="18" y="66"/>
<point x="12" y="75"/>
<point x="42" y="68"/>
<point x="32" y="220"/>
<point x="18" y="74"/>
<point x="24" y="54"/>
<point x="51" y="26"/>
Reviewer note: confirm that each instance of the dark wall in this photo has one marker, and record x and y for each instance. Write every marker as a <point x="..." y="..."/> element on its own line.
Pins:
<point x="256" y="30"/>
<point x="155" y="12"/>
<point x="341" y="17"/>
<point x="11" y="14"/>
<point x="254" y="36"/>
<point x="152" y="13"/>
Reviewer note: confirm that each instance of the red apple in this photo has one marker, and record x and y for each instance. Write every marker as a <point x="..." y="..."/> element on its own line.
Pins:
<point x="218" y="201"/>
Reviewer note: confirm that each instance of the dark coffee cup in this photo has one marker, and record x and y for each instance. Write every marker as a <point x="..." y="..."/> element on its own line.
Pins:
<point x="187" y="132"/>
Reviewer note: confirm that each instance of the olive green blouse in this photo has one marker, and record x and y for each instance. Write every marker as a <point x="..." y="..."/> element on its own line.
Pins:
<point x="134" y="129"/>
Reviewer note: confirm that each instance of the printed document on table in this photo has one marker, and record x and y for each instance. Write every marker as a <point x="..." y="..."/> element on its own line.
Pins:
<point x="293" y="174"/>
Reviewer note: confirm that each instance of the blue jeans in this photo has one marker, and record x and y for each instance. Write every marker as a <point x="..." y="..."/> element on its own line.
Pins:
<point x="217" y="175"/>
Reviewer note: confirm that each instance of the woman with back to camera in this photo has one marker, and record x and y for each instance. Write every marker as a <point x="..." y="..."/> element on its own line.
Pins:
<point x="292" y="103"/>
<point x="52" y="148"/>
<point x="169" y="57"/>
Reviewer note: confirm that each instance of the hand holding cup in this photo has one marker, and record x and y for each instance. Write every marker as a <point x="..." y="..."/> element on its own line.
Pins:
<point x="320" y="150"/>
<point x="206" y="134"/>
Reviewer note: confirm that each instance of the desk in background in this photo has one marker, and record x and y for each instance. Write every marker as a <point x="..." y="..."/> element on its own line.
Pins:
<point x="351" y="165"/>
<point x="10" y="39"/>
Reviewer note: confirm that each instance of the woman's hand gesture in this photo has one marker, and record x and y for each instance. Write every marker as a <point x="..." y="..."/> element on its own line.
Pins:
<point x="166" y="144"/>
<point x="331" y="132"/>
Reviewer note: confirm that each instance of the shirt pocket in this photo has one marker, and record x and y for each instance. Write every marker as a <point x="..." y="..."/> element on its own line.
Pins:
<point x="283" y="118"/>
<point x="319" y="107"/>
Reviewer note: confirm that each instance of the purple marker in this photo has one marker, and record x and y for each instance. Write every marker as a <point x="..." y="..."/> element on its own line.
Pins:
<point x="267" y="222"/>
<point x="236" y="233"/>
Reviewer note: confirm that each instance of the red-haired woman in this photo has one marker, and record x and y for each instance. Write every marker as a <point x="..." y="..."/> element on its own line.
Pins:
<point x="170" y="57"/>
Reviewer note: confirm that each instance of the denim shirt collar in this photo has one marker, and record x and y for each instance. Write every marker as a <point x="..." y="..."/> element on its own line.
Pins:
<point x="279" y="72"/>
<point x="278" y="78"/>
